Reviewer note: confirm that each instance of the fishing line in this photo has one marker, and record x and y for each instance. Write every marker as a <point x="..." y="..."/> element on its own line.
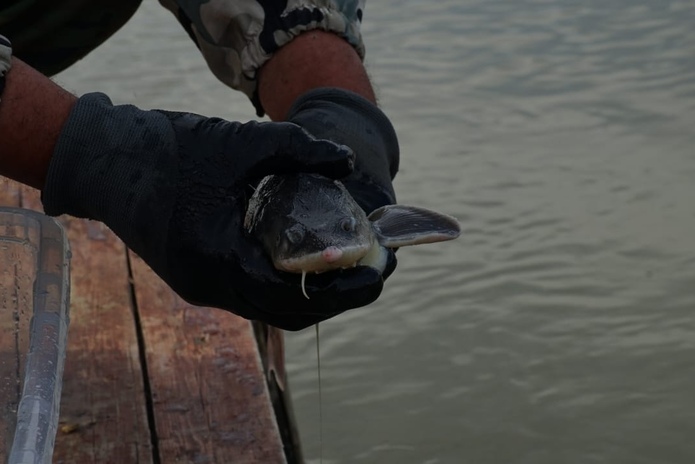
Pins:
<point x="318" y="363"/>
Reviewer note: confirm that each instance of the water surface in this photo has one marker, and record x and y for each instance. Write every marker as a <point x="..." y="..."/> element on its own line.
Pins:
<point x="561" y="327"/>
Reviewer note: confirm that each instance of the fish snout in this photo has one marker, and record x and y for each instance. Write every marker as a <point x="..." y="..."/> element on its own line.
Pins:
<point x="331" y="254"/>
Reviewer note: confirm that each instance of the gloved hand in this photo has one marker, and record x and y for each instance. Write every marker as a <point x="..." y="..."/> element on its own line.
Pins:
<point x="349" y="119"/>
<point x="174" y="187"/>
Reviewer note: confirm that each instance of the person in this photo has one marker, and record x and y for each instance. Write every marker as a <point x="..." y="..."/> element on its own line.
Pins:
<point x="174" y="186"/>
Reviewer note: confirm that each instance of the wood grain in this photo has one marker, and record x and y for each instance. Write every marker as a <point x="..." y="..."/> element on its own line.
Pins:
<point x="103" y="404"/>
<point x="209" y="399"/>
<point x="10" y="363"/>
<point x="209" y="393"/>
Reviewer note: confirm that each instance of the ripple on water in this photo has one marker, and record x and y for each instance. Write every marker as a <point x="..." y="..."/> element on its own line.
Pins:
<point x="561" y="323"/>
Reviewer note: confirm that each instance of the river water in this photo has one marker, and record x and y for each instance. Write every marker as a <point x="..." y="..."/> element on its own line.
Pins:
<point x="560" y="328"/>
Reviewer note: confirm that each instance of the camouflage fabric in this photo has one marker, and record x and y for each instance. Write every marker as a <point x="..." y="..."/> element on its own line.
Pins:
<point x="237" y="37"/>
<point x="51" y="35"/>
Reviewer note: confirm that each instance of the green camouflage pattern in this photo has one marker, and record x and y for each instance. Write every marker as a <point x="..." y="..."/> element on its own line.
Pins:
<point x="236" y="37"/>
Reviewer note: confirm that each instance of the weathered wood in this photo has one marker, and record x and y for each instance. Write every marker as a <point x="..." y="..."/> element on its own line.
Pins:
<point x="9" y="192"/>
<point x="209" y="400"/>
<point x="10" y="333"/>
<point x="210" y="397"/>
<point x="103" y="406"/>
<point x="271" y="347"/>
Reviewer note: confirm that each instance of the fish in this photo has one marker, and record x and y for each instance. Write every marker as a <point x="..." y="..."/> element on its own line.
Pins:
<point x="308" y="223"/>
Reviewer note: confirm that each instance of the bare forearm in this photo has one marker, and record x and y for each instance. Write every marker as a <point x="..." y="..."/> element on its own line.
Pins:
<point x="314" y="59"/>
<point x="33" y="108"/>
<point x="32" y="112"/>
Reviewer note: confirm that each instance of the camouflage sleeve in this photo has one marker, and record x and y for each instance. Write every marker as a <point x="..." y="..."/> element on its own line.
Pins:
<point x="237" y="37"/>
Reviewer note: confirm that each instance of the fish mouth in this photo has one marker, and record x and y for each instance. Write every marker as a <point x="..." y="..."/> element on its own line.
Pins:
<point x="327" y="259"/>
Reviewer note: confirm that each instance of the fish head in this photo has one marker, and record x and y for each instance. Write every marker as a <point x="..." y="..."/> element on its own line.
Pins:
<point x="309" y="223"/>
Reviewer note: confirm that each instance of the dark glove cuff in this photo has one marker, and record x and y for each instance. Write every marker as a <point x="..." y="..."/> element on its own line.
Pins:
<point x="106" y="161"/>
<point x="347" y="118"/>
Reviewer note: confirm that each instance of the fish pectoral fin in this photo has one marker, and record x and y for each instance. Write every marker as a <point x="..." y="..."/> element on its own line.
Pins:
<point x="400" y="225"/>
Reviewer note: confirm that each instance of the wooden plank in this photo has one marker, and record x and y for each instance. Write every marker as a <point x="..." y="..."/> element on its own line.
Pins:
<point x="271" y="348"/>
<point x="9" y="192"/>
<point x="210" y="396"/>
<point x="10" y="333"/>
<point x="103" y="405"/>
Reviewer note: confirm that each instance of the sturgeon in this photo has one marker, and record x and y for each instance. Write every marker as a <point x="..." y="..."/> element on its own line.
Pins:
<point x="308" y="223"/>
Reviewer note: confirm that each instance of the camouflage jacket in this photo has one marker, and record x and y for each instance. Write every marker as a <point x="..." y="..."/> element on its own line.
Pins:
<point x="235" y="36"/>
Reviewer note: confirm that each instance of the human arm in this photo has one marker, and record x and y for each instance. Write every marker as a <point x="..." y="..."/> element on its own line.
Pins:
<point x="315" y="59"/>
<point x="173" y="186"/>
<point x="238" y="37"/>
<point x="276" y="52"/>
<point x="96" y="185"/>
<point x="335" y="100"/>
<point x="33" y="111"/>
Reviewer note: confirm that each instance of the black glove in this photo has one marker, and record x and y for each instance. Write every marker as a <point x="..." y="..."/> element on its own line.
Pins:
<point x="174" y="188"/>
<point x="349" y="119"/>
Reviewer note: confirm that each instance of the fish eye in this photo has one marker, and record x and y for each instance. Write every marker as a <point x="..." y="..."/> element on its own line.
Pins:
<point x="348" y="224"/>
<point x="294" y="235"/>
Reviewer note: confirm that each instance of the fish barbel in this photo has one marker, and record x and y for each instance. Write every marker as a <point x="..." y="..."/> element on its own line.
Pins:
<point x="309" y="223"/>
